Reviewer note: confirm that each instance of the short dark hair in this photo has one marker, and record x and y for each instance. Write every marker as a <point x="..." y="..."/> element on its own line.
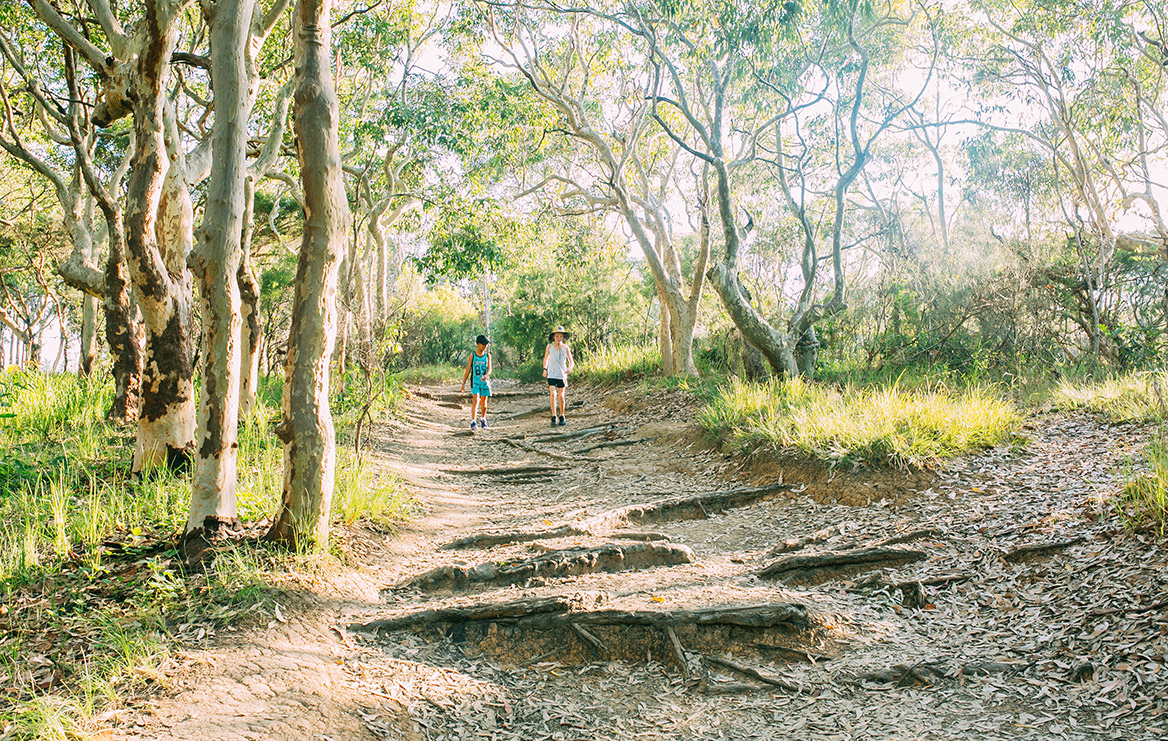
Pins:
<point x="482" y="340"/>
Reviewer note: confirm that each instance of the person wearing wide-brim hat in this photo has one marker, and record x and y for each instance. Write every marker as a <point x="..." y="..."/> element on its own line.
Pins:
<point x="557" y="364"/>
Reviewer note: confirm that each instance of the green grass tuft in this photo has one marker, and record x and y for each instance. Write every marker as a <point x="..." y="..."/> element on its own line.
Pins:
<point x="620" y="363"/>
<point x="1139" y="397"/>
<point x="874" y="426"/>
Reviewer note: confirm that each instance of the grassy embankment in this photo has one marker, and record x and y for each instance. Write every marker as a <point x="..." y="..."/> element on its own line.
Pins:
<point x="879" y="423"/>
<point x="1138" y="398"/>
<point x="93" y="597"/>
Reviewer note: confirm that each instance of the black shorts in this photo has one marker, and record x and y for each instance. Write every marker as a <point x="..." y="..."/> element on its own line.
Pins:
<point x="557" y="382"/>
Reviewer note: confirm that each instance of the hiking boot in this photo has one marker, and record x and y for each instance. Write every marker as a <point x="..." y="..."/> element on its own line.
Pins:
<point x="562" y="423"/>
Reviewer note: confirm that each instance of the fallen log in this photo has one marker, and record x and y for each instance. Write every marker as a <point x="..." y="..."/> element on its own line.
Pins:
<point x="1038" y="550"/>
<point x="607" y="558"/>
<point x="675" y="508"/>
<point x="821" y="567"/>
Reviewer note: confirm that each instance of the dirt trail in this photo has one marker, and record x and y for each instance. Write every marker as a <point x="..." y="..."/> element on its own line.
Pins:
<point x="995" y="600"/>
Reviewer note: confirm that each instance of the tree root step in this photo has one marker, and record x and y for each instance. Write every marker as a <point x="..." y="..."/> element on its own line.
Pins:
<point x="821" y="567"/>
<point x="567" y="562"/>
<point x="523" y="631"/>
<point x="1036" y="551"/>
<point x="675" y="508"/>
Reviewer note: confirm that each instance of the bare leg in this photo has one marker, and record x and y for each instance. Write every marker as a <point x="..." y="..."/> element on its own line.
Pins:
<point x="563" y="401"/>
<point x="552" y="392"/>
<point x="483" y="411"/>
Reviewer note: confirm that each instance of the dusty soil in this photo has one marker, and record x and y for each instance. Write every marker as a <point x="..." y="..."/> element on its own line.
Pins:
<point x="981" y="637"/>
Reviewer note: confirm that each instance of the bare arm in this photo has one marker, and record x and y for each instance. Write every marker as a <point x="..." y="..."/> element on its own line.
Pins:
<point x="571" y="362"/>
<point x="466" y="373"/>
<point x="546" y="352"/>
<point x="490" y="366"/>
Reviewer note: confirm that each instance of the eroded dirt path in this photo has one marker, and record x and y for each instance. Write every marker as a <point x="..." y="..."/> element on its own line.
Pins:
<point x="1007" y="604"/>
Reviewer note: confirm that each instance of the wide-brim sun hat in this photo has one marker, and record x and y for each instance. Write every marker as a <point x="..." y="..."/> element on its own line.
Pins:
<point x="559" y="328"/>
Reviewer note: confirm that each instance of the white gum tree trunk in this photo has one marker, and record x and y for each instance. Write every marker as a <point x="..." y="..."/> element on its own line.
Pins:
<point x="307" y="425"/>
<point x="216" y="262"/>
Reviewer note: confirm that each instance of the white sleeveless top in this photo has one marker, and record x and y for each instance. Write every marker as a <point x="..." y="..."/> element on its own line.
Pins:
<point x="557" y="362"/>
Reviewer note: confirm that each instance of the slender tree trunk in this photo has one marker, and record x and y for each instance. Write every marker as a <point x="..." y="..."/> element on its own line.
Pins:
<point x="217" y="262"/>
<point x="307" y="425"/>
<point x="90" y="307"/>
<point x="158" y="223"/>
<point x="249" y="297"/>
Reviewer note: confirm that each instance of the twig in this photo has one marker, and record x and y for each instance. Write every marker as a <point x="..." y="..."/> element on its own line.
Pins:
<point x="678" y="651"/>
<point x="594" y="644"/>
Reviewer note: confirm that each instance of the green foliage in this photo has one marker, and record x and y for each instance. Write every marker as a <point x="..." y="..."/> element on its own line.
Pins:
<point x="874" y="426"/>
<point x="436" y="325"/>
<point x="469" y="238"/>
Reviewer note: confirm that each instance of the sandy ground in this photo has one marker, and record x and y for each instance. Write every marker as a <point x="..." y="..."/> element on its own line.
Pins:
<point x="998" y="641"/>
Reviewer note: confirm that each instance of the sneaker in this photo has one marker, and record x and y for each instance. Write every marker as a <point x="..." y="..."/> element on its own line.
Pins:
<point x="562" y="423"/>
<point x="554" y="421"/>
<point x="472" y="424"/>
<point x="483" y="423"/>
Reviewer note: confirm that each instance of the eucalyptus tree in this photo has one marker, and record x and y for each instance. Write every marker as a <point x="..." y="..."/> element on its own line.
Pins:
<point x="602" y="84"/>
<point x="307" y="427"/>
<point x="806" y="91"/>
<point x="37" y="112"/>
<point x="1101" y="126"/>
<point x="133" y="69"/>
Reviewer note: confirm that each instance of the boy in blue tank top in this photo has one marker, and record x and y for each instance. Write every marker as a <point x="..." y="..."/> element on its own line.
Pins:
<point x="479" y="365"/>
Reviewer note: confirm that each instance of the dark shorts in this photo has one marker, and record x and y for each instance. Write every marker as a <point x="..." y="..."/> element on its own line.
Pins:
<point x="557" y="382"/>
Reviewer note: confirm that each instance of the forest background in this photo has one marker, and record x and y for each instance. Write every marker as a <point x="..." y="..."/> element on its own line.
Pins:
<point x="946" y="197"/>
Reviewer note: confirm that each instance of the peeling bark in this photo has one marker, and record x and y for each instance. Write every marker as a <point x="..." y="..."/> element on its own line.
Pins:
<point x="307" y="426"/>
<point x="217" y="262"/>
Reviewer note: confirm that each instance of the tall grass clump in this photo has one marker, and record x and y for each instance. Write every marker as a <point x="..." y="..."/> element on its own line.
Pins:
<point x="619" y="363"/>
<point x="90" y="577"/>
<point x="1139" y="397"/>
<point x="1143" y="500"/>
<point x="874" y="426"/>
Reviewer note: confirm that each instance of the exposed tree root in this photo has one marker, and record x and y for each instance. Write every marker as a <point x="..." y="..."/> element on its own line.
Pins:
<point x="501" y="470"/>
<point x="576" y="434"/>
<point x="568" y="562"/>
<point x="821" y="567"/>
<point x="609" y="444"/>
<point x="798" y="544"/>
<point x="675" y="508"/>
<point x="1025" y="553"/>
<point x="542" y="451"/>
<point x="526" y="631"/>
<point x="544" y="410"/>
<point x="929" y="673"/>
<point x="749" y="671"/>
<point x="910" y="536"/>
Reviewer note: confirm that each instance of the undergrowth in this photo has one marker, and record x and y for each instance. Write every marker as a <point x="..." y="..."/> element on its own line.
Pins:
<point x="878" y="425"/>
<point x="619" y="363"/>
<point x="93" y="594"/>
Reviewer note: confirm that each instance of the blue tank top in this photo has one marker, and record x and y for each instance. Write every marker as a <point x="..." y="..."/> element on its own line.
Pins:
<point x="478" y="365"/>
